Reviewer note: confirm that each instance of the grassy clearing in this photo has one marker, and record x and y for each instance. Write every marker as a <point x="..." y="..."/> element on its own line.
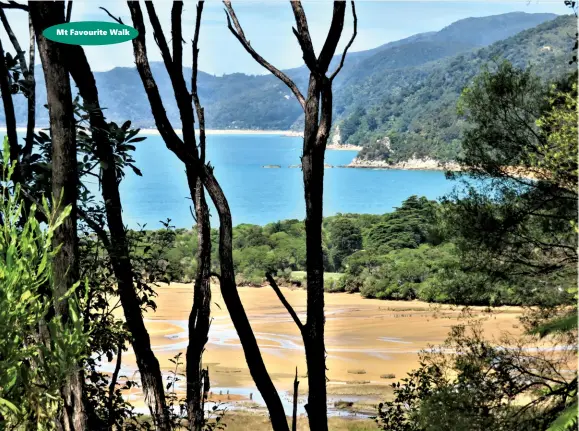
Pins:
<point x="328" y="276"/>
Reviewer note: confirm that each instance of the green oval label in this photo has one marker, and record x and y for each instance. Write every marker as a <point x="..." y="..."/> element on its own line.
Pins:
<point x="90" y="33"/>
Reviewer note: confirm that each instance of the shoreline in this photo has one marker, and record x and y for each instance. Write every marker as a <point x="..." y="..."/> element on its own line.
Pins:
<point x="285" y="133"/>
<point x="346" y="147"/>
<point x="408" y="165"/>
<point x="155" y="132"/>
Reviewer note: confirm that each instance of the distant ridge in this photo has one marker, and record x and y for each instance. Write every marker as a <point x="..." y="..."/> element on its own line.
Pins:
<point x="239" y="101"/>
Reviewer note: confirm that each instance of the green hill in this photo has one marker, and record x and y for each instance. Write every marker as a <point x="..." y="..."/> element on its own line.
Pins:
<point x="416" y="106"/>
<point x="410" y="85"/>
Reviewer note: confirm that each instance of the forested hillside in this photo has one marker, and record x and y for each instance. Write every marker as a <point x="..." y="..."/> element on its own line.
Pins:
<point x="262" y="102"/>
<point x="416" y="106"/>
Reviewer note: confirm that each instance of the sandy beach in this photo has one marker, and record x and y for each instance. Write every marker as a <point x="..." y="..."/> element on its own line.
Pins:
<point x="366" y="339"/>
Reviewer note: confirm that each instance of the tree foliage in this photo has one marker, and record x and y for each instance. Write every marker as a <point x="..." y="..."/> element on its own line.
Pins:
<point x="34" y="365"/>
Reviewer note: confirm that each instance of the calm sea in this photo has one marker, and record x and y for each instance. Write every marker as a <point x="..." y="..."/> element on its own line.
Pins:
<point x="258" y="195"/>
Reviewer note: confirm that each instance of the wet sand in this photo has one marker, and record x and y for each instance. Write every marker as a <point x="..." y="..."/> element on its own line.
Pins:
<point x="365" y="338"/>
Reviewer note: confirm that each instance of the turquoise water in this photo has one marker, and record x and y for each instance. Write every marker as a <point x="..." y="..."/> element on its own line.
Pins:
<point x="258" y="195"/>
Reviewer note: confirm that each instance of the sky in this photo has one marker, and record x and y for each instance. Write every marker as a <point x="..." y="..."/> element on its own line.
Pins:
<point x="268" y="26"/>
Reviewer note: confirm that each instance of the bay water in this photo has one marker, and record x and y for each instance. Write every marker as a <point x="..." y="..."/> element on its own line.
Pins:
<point x="261" y="195"/>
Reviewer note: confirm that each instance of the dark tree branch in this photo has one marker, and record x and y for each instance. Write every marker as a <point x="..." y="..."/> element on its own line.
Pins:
<point x="172" y="140"/>
<point x="194" y="93"/>
<point x="175" y="71"/>
<point x="31" y="88"/>
<point x="295" y="403"/>
<point x="354" y="34"/>
<point x="237" y="31"/>
<point x="14" y="41"/>
<point x="112" y="385"/>
<point x="159" y="36"/>
<point x="10" y="116"/>
<point x="13" y="5"/>
<point x="176" y="33"/>
<point x="284" y="301"/>
<point x="119" y="20"/>
<point x="68" y="11"/>
<point x="98" y="230"/>
<point x="302" y="34"/>
<point x="334" y="35"/>
<point x="188" y="154"/>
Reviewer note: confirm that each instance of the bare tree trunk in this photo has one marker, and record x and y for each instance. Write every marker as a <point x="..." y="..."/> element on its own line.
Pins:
<point x="186" y="151"/>
<point x="64" y="187"/>
<point x="118" y="249"/>
<point x="295" y="402"/>
<point x="10" y="117"/>
<point x="31" y="83"/>
<point x="317" y="108"/>
<point x="234" y="305"/>
<point x="112" y="386"/>
<point x="199" y="318"/>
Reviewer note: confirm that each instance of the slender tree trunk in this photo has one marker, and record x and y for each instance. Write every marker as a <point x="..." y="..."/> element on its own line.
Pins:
<point x="9" y="115"/>
<point x="199" y="318"/>
<point x="31" y="82"/>
<point x="315" y="139"/>
<point x="64" y="187"/>
<point x="188" y="154"/>
<point x="235" y="307"/>
<point x="149" y="369"/>
<point x="317" y="124"/>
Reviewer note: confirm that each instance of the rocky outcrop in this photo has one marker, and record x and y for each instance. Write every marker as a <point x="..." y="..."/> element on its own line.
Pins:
<point x="425" y="164"/>
<point x="336" y="137"/>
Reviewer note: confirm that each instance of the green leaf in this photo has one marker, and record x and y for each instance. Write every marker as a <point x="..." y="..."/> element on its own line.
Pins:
<point x="557" y="325"/>
<point x="9" y="405"/>
<point x="567" y="420"/>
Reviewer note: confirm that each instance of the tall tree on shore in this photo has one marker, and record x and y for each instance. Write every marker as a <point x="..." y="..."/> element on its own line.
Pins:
<point x="64" y="188"/>
<point x="317" y="107"/>
<point x="197" y="168"/>
<point x="186" y="149"/>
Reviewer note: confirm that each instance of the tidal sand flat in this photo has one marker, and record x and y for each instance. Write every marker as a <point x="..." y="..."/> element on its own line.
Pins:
<point x="370" y="343"/>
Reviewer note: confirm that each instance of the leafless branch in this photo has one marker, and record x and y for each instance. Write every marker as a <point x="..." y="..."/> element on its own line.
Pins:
<point x="302" y="34"/>
<point x="14" y="41"/>
<point x="284" y="301"/>
<point x="159" y="36"/>
<point x="349" y="43"/>
<point x="235" y="27"/>
<point x="333" y="37"/>
<point x="119" y="20"/>
<point x="172" y="140"/>
<point x="98" y="230"/>
<point x="31" y="88"/>
<point x="295" y="403"/>
<point x="13" y="5"/>
<point x="176" y="32"/>
<point x="113" y="384"/>
<point x="175" y="71"/>
<point x="194" y="93"/>
<point x="68" y="11"/>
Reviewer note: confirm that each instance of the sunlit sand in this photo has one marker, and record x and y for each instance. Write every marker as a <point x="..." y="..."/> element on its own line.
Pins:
<point x="367" y="340"/>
